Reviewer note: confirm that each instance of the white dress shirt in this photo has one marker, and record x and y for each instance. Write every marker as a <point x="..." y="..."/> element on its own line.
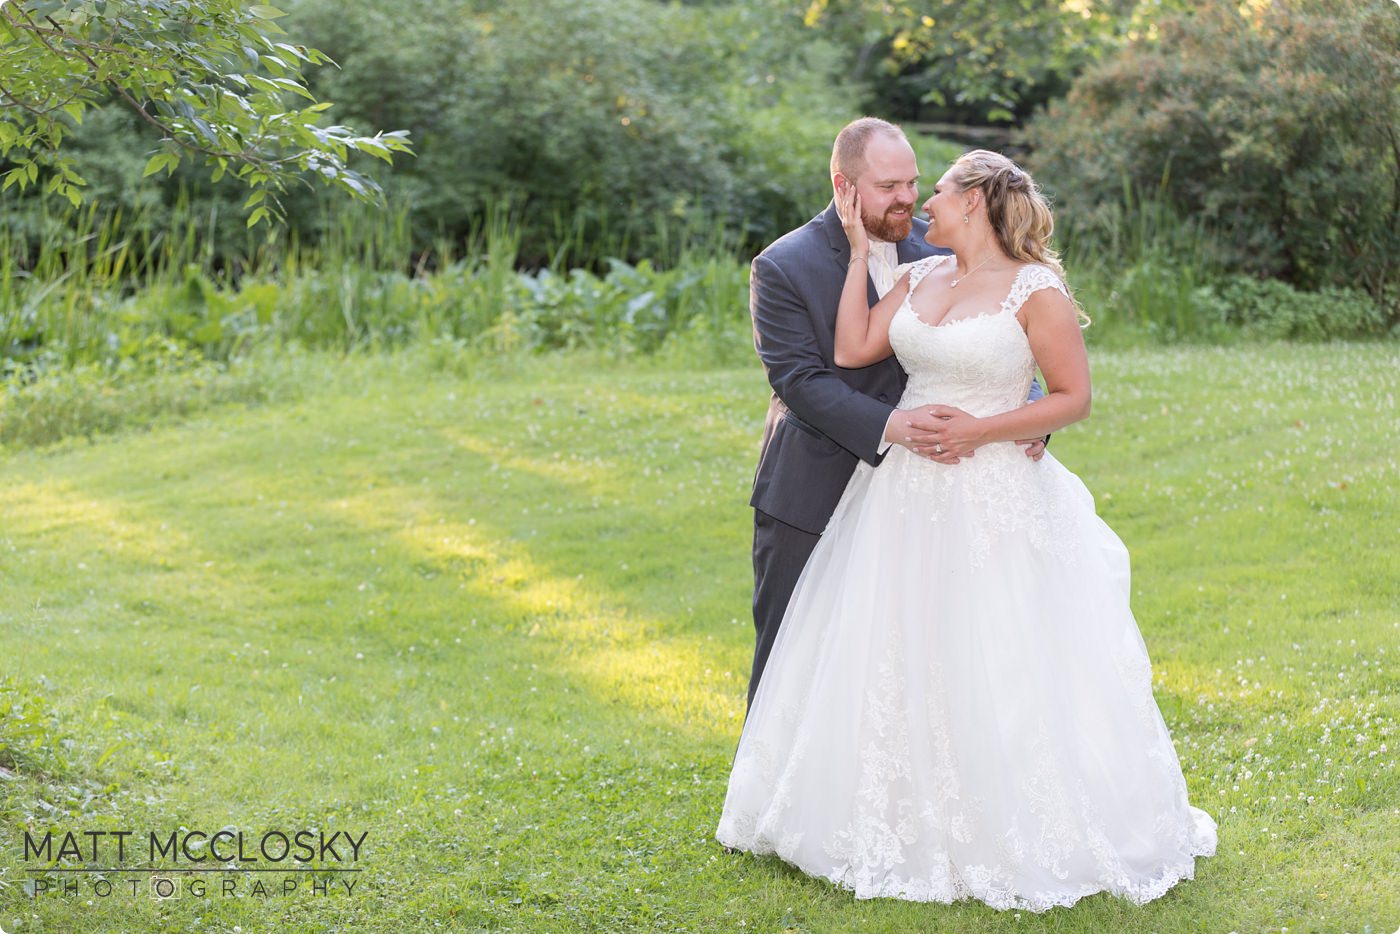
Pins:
<point x="884" y="259"/>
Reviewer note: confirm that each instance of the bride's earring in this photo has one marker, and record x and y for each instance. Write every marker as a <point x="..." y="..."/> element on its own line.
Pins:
<point x="964" y="218"/>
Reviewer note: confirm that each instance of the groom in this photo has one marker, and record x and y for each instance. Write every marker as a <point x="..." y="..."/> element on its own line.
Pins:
<point x="822" y="418"/>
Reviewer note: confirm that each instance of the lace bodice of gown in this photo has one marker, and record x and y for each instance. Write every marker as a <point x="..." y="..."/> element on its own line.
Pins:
<point x="981" y="364"/>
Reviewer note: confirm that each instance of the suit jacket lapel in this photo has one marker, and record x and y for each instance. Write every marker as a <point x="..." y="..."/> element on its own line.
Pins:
<point x="914" y="247"/>
<point x="909" y="248"/>
<point x="841" y="255"/>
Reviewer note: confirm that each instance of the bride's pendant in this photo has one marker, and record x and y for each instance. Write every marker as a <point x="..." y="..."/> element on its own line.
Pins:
<point x="954" y="283"/>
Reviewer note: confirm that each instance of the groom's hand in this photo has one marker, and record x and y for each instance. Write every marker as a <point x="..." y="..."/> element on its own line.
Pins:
<point x="1035" y="448"/>
<point x="917" y="430"/>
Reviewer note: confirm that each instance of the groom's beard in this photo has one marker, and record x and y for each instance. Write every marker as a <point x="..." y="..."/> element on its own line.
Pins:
<point x="890" y="227"/>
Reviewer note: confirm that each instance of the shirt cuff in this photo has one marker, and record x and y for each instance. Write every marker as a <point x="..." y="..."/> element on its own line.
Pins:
<point x="885" y="445"/>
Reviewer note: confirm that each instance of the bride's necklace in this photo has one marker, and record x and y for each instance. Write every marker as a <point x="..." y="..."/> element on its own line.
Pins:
<point x="954" y="283"/>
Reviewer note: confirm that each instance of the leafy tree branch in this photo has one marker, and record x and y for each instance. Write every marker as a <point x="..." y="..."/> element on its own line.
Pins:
<point x="213" y="78"/>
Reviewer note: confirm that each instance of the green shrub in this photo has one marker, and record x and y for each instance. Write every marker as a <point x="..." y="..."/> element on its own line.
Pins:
<point x="1275" y="127"/>
<point x="1274" y="309"/>
<point x="633" y="127"/>
<point x="632" y="308"/>
<point x="1165" y="300"/>
<point x="605" y="127"/>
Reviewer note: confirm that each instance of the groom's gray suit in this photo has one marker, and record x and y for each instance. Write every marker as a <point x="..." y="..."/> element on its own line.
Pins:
<point x="821" y="418"/>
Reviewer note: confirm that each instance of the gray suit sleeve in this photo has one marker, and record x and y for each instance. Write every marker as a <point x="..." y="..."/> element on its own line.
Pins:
<point x="800" y="374"/>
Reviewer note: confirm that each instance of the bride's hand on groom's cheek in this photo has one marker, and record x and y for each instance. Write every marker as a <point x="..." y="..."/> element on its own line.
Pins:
<point x="848" y="209"/>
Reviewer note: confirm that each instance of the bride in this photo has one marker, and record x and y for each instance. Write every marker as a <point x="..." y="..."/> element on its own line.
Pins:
<point x="959" y="703"/>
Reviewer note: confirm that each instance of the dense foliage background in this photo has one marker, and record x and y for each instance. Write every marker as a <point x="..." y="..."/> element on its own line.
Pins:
<point x="598" y="172"/>
<point x="1276" y="128"/>
<point x="627" y="121"/>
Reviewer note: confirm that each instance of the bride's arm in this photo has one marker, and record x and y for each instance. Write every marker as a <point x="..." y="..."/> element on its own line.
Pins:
<point x="862" y="332"/>
<point x="1052" y="327"/>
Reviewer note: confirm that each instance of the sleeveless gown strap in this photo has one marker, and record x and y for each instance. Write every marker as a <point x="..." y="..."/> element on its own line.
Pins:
<point x="920" y="268"/>
<point x="1029" y="280"/>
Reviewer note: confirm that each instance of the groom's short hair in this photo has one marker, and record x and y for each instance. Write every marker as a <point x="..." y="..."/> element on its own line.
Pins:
<point x="848" y="152"/>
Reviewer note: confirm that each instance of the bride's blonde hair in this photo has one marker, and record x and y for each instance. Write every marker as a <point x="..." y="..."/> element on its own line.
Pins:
<point x="1016" y="208"/>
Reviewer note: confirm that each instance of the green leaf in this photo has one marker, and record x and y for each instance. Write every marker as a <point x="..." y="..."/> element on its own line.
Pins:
<point x="156" y="163"/>
<point x="259" y="214"/>
<point x="111" y="750"/>
<point x="292" y="50"/>
<point x="262" y="11"/>
<point x="44" y="9"/>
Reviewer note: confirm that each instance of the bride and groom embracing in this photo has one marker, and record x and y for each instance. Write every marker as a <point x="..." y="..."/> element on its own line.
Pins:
<point x="950" y="698"/>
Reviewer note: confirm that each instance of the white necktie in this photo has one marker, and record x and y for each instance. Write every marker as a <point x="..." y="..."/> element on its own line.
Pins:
<point x="883" y="257"/>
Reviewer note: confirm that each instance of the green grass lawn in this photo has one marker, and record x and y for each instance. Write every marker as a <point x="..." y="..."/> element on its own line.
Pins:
<point x="499" y="622"/>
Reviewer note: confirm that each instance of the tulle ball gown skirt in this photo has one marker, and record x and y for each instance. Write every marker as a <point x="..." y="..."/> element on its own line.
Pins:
<point x="959" y="702"/>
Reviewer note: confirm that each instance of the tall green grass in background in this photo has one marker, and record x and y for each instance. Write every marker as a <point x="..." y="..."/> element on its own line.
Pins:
<point x="1140" y="270"/>
<point x="100" y="328"/>
<point x="1146" y="274"/>
<point x="108" y="323"/>
<point x="97" y="295"/>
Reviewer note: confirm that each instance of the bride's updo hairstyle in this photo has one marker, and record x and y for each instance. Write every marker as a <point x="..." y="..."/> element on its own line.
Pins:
<point x="1017" y="210"/>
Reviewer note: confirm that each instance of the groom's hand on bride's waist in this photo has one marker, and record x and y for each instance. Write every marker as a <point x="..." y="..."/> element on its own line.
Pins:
<point x="1035" y="447"/>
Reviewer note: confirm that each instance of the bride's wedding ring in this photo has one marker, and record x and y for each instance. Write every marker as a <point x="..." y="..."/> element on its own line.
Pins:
<point x="937" y="448"/>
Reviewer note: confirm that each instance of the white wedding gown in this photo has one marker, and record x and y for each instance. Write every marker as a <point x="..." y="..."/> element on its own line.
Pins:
<point x="959" y="703"/>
